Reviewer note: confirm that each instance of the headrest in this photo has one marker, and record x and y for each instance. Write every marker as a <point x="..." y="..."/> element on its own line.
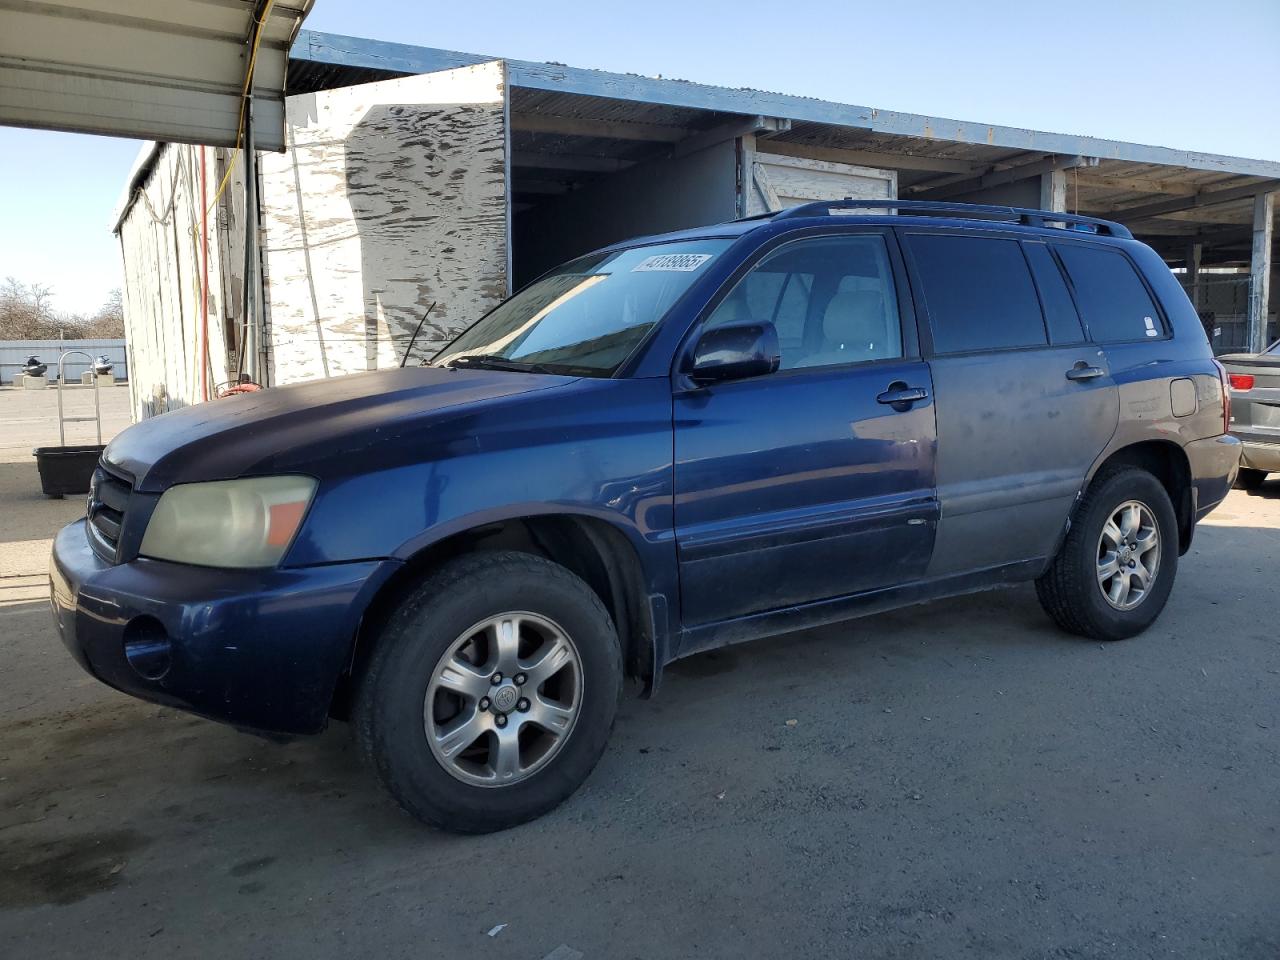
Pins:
<point x="854" y="317"/>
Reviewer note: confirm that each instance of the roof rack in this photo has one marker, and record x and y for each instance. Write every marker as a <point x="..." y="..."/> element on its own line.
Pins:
<point x="1022" y="215"/>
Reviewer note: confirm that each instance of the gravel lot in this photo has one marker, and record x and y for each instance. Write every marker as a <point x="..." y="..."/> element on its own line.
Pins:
<point x="960" y="780"/>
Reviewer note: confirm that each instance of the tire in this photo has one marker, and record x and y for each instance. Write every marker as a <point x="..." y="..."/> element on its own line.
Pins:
<point x="463" y="791"/>
<point x="1249" y="479"/>
<point x="1071" y="590"/>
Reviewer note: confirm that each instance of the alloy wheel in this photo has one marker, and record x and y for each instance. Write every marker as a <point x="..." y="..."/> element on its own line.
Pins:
<point x="503" y="699"/>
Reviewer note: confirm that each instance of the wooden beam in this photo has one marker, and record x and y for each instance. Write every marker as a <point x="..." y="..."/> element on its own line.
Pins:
<point x="1264" y="215"/>
<point x="1135" y="185"/>
<point x="527" y="159"/>
<point x="758" y="126"/>
<point x="870" y="158"/>
<point x="938" y="190"/>
<point x="1205" y="198"/>
<point x="605" y="129"/>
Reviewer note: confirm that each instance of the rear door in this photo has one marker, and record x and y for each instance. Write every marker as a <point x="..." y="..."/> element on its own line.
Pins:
<point x="808" y="483"/>
<point x="1024" y="404"/>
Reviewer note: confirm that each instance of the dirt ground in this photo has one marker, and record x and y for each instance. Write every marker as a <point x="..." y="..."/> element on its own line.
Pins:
<point x="960" y="780"/>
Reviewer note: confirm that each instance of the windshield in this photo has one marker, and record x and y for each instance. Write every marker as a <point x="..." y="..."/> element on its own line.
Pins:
<point x="587" y="317"/>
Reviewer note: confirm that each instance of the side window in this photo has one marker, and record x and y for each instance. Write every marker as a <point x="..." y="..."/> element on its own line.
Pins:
<point x="1059" y="310"/>
<point x="1115" y="304"/>
<point x="978" y="291"/>
<point x="832" y="300"/>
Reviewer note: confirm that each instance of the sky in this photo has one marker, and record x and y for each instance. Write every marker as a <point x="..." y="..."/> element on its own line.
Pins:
<point x="1178" y="73"/>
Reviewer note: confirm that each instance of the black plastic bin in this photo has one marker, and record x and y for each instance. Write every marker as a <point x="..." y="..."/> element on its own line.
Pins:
<point x="66" y="470"/>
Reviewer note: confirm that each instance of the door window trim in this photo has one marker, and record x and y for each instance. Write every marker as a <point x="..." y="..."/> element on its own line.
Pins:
<point x="909" y="330"/>
<point x="926" y="326"/>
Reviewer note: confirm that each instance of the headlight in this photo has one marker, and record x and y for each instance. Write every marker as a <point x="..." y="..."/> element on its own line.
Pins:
<point x="228" y="523"/>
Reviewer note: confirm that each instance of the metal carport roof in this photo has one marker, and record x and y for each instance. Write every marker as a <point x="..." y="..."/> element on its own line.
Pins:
<point x="156" y="69"/>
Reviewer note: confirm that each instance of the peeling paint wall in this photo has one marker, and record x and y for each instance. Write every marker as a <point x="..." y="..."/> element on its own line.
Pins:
<point x="160" y="242"/>
<point x="777" y="182"/>
<point x="391" y="196"/>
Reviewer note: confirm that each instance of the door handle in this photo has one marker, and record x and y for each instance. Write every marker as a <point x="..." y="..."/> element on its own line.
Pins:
<point x="900" y="394"/>
<point x="1082" y="371"/>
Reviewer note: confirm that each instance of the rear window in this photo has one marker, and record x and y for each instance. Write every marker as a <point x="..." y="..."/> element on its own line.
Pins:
<point x="978" y="291"/>
<point x="1112" y="297"/>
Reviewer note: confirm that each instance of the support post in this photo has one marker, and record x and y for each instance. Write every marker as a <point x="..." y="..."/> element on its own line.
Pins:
<point x="249" y="356"/>
<point x="1053" y="191"/>
<point x="1195" y="251"/>
<point x="1264" y="209"/>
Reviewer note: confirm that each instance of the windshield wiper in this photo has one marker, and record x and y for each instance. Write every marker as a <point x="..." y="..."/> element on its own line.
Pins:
<point x="490" y="361"/>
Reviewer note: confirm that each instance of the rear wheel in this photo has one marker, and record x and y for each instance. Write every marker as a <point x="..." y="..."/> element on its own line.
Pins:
<point x="1116" y="567"/>
<point x="491" y="692"/>
<point x="1249" y="479"/>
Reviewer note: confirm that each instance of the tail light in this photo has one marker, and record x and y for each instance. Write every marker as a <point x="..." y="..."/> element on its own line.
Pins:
<point x="1240" y="381"/>
<point x="1227" y="379"/>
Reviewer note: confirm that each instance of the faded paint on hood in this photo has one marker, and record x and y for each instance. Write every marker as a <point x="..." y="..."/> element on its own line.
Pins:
<point x="368" y="418"/>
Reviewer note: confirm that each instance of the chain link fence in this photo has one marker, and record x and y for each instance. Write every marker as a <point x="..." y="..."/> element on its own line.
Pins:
<point x="1222" y="301"/>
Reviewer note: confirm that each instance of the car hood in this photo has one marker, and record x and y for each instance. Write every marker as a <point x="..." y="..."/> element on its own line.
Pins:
<point x="337" y="426"/>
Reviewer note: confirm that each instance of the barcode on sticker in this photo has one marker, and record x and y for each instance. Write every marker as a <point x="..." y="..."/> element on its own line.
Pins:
<point x="672" y="262"/>
<point x="1151" y="327"/>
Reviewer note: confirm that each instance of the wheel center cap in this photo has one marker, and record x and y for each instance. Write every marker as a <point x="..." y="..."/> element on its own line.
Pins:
<point x="505" y="697"/>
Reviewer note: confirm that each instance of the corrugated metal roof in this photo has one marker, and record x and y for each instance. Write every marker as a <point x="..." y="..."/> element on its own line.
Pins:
<point x="884" y="127"/>
<point x="137" y="68"/>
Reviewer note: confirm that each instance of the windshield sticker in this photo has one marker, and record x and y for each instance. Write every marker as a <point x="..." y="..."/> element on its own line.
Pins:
<point x="672" y="263"/>
<point x="1151" y="327"/>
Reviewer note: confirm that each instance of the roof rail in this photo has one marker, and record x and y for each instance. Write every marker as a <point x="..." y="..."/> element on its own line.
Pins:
<point x="1022" y="215"/>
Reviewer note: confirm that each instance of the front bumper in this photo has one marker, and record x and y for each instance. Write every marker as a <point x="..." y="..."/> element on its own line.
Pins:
<point x="261" y="649"/>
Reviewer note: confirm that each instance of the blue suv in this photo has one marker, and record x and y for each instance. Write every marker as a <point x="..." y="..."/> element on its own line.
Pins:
<point x="665" y="446"/>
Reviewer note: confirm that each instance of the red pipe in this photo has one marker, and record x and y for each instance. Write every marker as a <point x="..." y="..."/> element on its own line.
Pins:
<point x="204" y="284"/>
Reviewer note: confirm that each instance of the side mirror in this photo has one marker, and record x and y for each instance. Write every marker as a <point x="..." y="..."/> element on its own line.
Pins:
<point x="735" y="352"/>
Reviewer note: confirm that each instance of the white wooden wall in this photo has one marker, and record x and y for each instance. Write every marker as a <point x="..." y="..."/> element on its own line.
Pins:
<point x="159" y="239"/>
<point x="391" y="196"/>
<point x="776" y="182"/>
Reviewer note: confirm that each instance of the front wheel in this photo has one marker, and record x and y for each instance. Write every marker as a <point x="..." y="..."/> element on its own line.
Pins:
<point x="491" y="692"/>
<point x="1116" y="567"/>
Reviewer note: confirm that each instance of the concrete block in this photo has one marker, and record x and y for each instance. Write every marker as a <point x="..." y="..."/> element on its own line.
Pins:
<point x="34" y="383"/>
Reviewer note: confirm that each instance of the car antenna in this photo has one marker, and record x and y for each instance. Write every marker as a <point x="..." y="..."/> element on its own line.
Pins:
<point x="414" y="338"/>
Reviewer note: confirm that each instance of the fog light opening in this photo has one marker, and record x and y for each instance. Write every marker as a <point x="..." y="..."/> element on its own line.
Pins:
<point x="147" y="647"/>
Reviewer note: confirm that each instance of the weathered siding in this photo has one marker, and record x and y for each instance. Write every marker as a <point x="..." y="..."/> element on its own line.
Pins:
<point x="776" y="182"/>
<point x="160" y="241"/>
<point x="391" y="196"/>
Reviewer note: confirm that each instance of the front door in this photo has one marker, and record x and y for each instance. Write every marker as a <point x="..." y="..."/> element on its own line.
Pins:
<point x="809" y="483"/>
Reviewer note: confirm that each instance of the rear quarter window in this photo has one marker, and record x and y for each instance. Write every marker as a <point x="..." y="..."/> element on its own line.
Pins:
<point x="1059" y="310"/>
<point x="1112" y="297"/>
<point x="978" y="292"/>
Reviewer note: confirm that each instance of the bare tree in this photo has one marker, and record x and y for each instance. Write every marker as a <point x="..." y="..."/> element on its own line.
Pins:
<point x="108" y="322"/>
<point x="27" y="313"/>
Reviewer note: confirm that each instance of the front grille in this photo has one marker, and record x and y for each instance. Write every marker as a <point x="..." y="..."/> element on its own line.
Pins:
<point x="108" y="501"/>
